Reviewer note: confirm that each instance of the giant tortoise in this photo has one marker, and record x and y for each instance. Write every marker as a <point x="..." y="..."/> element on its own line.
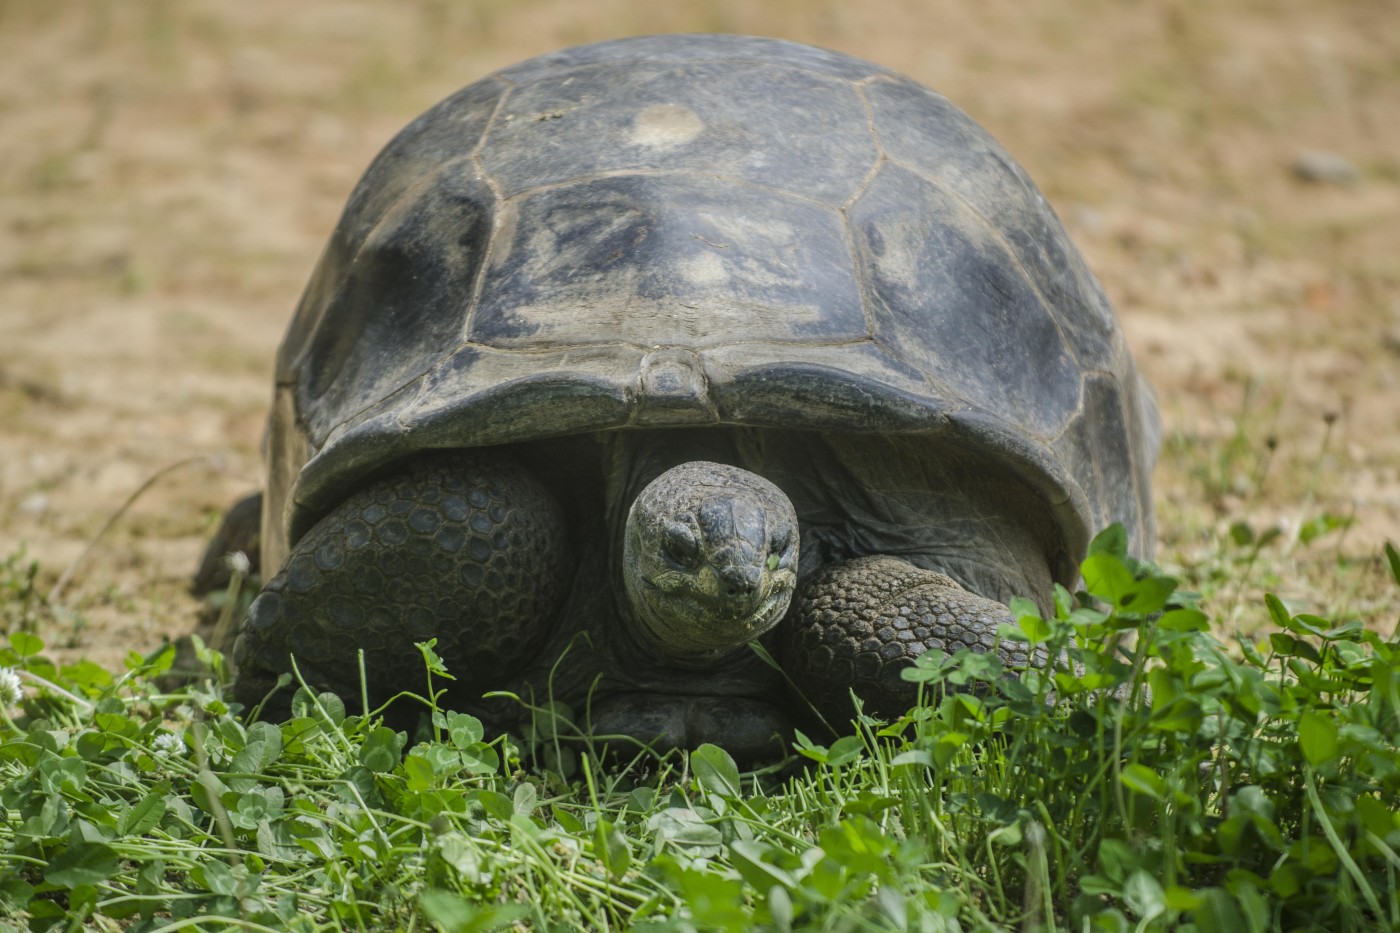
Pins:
<point x="628" y="357"/>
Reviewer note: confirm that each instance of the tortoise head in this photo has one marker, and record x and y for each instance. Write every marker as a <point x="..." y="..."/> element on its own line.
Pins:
<point x="709" y="559"/>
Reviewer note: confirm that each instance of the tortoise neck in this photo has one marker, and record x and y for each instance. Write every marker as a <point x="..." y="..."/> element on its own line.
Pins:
<point x="632" y="459"/>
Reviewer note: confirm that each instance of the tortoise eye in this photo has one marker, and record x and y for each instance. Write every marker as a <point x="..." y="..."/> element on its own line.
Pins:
<point x="780" y="542"/>
<point x="680" y="546"/>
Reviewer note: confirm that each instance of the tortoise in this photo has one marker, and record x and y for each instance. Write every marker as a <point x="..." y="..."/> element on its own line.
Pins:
<point x="632" y="357"/>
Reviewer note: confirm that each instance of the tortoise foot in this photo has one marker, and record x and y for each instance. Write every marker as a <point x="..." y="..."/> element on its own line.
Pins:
<point x="467" y="549"/>
<point x="858" y="623"/>
<point x="750" y="729"/>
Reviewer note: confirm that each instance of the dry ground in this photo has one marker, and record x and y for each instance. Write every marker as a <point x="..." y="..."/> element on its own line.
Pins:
<point x="169" y="172"/>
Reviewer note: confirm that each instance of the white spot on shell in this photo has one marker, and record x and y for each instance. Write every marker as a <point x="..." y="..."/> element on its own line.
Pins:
<point x="662" y="126"/>
<point x="704" y="269"/>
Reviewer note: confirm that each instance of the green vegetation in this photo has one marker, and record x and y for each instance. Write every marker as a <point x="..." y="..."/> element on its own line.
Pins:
<point x="1157" y="781"/>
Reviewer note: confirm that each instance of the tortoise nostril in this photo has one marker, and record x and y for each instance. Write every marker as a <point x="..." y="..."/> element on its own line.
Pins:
<point x="740" y="581"/>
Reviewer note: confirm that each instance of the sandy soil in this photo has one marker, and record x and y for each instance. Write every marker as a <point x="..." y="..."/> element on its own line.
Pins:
<point x="169" y="172"/>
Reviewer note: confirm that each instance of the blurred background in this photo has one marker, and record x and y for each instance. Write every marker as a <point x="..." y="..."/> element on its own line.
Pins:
<point x="169" y="172"/>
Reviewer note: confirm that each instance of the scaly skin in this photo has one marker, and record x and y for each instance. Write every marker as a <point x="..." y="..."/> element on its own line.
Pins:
<point x="466" y="549"/>
<point x="860" y="622"/>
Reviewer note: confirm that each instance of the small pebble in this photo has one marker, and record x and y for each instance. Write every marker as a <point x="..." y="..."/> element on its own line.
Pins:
<point x="35" y="504"/>
<point x="1324" y="168"/>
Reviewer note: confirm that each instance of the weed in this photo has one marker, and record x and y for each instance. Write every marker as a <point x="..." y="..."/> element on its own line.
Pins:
<point x="1149" y="783"/>
<point x="20" y="600"/>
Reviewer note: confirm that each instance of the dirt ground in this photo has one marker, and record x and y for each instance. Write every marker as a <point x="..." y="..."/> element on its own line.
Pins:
<point x="170" y="170"/>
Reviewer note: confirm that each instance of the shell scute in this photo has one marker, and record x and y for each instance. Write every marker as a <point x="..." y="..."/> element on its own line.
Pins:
<point x="923" y="131"/>
<point x="401" y="303"/>
<point x="655" y="117"/>
<point x="951" y="300"/>
<point x="671" y="260"/>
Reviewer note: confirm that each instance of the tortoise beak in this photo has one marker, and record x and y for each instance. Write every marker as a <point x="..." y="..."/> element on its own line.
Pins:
<point x="740" y="575"/>
<point x="708" y="621"/>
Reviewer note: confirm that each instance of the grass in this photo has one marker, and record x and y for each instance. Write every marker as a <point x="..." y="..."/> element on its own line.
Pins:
<point x="1157" y="782"/>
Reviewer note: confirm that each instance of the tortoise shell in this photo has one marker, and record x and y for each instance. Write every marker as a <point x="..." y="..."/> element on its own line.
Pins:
<point x="705" y="230"/>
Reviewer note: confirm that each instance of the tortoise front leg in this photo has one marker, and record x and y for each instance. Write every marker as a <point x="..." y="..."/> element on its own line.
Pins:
<point x="859" y="622"/>
<point x="465" y="548"/>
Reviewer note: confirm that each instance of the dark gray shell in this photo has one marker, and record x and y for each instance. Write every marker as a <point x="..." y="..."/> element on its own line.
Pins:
<point x="699" y="230"/>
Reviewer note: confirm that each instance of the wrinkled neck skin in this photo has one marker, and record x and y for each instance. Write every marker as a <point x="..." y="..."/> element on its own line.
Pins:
<point x="858" y="495"/>
<point x="632" y="459"/>
<point x="591" y="656"/>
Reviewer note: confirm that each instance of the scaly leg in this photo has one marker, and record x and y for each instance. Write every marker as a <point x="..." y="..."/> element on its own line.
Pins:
<point x="466" y="548"/>
<point x="858" y="623"/>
